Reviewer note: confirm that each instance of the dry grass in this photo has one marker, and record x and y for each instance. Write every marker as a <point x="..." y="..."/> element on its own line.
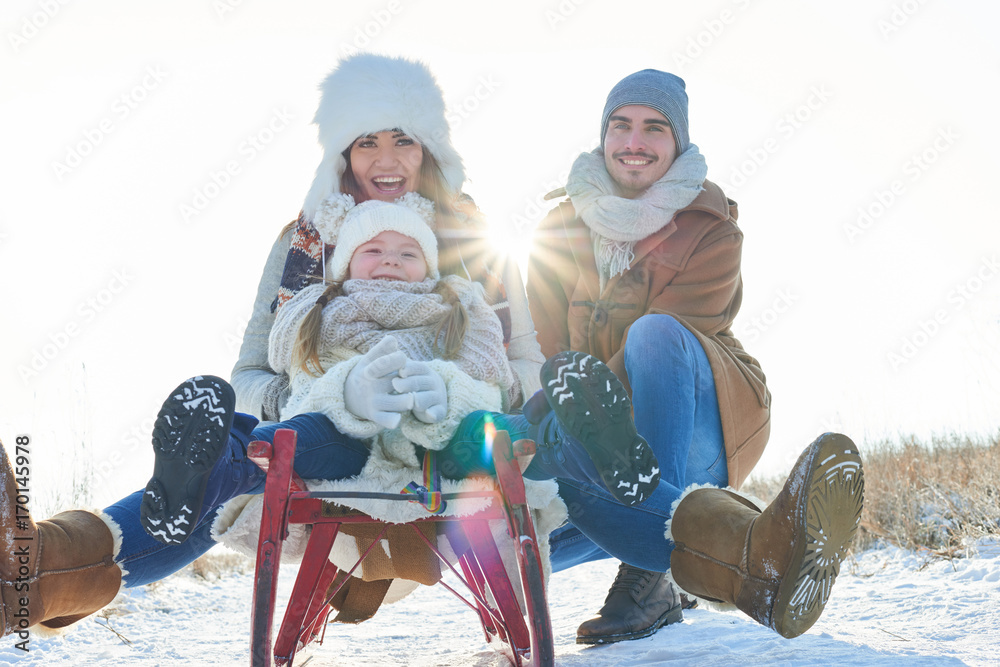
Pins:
<point x="938" y="497"/>
<point x="217" y="563"/>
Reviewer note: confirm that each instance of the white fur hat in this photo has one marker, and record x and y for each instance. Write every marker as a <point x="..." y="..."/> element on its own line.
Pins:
<point x="409" y="216"/>
<point x="368" y="93"/>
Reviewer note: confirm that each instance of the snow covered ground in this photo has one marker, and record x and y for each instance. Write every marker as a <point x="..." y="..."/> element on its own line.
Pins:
<point x="889" y="607"/>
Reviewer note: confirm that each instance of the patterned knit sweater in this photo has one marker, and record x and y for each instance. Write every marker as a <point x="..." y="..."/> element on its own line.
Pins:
<point x="368" y="311"/>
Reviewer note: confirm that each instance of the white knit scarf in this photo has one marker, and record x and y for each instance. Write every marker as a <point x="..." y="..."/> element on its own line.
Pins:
<point x="369" y="310"/>
<point x="616" y="222"/>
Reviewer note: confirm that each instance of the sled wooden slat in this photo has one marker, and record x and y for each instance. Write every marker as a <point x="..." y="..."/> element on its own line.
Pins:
<point x="273" y="530"/>
<point x="529" y="562"/>
<point x="309" y="593"/>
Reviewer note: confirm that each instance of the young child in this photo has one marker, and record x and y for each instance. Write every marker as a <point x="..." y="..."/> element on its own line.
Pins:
<point x="387" y="343"/>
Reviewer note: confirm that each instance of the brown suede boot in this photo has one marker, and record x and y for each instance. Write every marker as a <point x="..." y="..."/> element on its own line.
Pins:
<point x="54" y="572"/>
<point x="639" y="603"/>
<point x="776" y="566"/>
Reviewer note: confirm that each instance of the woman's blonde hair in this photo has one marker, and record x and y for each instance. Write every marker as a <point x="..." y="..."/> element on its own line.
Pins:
<point x="448" y="336"/>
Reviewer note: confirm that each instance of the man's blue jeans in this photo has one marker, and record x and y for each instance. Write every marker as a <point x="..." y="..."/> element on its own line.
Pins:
<point x="675" y="409"/>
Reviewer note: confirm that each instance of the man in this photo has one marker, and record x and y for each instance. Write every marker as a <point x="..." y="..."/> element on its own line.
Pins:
<point x="640" y="268"/>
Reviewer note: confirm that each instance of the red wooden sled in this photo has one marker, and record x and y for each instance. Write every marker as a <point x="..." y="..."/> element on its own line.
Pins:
<point x="525" y="638"/>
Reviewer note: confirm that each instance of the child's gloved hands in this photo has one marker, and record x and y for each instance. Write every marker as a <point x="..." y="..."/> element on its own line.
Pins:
<point x="425" y="385"/>
<point x="368" y="390"/>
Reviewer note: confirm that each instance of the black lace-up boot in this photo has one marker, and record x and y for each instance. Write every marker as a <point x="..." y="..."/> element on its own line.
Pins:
<point x="639" y="603"/>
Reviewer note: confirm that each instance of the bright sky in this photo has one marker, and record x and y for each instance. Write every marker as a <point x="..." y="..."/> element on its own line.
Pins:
<point x="859" y="139"/>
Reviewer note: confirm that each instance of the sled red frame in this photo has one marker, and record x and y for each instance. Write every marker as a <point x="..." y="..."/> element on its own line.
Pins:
<point x="525" y="638"/>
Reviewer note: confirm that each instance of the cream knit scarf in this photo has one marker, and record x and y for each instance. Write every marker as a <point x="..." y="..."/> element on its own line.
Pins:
<point x="618" y="223"/>
<point x="369" y="310"/>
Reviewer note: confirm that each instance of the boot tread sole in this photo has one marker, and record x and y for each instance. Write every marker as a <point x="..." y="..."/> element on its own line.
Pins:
<point x="593" y="406"/>
<point x="673" y="615"/>
<point x="830" y="512"/>
<point x="190" y="432"/>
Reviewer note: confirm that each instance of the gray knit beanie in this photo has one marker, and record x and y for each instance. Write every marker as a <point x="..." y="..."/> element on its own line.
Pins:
<point x="657" y="90"/>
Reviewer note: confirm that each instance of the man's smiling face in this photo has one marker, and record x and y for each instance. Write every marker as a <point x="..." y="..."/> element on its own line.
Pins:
<point x="638" y="148"/>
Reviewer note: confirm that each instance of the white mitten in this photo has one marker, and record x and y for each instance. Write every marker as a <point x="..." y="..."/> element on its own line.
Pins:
<point x="368" y="390"/>
<point x="430" y="397"/>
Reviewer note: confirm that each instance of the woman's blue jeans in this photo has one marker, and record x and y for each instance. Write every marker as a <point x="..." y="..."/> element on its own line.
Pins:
<point x="322" y="452"/>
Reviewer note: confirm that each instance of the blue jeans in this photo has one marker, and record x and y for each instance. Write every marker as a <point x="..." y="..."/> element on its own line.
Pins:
<point x="675" y="409"/>
<point x="322" y="452"/>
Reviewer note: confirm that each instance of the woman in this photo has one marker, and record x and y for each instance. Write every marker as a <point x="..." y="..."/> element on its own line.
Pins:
<point x="408" y="151"/>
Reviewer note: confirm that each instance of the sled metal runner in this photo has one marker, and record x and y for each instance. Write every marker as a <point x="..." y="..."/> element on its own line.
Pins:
<point x="525" y="637"/>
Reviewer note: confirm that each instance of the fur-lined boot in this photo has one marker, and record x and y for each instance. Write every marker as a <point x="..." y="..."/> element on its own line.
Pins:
<point x="777" y="565"/>
<point x="55" y="572"/>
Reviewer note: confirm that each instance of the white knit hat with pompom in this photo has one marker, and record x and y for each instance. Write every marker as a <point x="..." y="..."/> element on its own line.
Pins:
<point x="347" y="227"/>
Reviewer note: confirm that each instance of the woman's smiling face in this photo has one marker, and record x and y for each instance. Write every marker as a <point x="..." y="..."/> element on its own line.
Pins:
<point x="386" y="165"/>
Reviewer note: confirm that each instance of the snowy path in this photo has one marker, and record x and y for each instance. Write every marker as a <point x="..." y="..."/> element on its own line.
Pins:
<point x="888" y="608"/>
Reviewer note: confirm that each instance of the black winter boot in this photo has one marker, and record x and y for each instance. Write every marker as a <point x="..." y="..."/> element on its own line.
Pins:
<point x="639" y="603"/>
<point x="189" y="435"/>
<point x="590" y="429"/>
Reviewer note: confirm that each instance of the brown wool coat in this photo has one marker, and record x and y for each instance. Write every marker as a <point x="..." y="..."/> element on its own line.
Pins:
<point x="690" y="269"/>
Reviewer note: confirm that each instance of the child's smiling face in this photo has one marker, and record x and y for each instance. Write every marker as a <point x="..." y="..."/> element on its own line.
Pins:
<point x="388" y="256"/>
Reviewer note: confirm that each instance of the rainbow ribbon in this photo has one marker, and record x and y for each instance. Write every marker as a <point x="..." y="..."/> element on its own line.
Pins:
<point x="430" y="491"/>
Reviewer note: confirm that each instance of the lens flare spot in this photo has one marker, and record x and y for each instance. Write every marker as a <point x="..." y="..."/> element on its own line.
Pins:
<point x="489" y="432"/>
